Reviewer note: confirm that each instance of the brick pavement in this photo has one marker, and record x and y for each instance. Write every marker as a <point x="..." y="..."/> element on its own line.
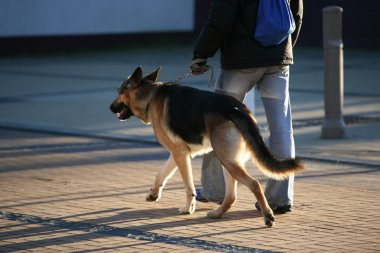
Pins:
<point x="72" y="194"/>
<point x="75" y="194"/>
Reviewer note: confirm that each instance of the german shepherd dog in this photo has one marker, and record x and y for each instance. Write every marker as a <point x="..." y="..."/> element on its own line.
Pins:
<point x="190" y="122"/>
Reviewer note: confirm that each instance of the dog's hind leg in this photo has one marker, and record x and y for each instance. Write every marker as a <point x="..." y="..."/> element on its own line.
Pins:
<point x="162" y="177"/>
<point x="229" y="197"/>
<point x="231" y="150"/>
<point x="183" y="161"/>
<point x="240" y="174"/>
<point x="255" y="187"/>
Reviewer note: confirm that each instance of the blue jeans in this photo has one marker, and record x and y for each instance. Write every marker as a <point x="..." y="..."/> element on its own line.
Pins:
<point x="273" y="84"/>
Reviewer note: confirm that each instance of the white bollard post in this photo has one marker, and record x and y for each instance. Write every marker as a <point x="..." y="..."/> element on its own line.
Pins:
<point x="333" y="125"/>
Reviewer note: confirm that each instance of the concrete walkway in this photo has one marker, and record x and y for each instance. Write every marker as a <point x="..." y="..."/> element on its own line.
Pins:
<point x="74" y="179"/>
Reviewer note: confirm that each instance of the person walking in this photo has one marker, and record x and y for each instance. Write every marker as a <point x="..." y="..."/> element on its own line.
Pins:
<point x="246" y="63"/>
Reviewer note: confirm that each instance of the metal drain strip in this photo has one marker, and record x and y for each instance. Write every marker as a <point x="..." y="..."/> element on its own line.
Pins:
<point x="348" y="119"/>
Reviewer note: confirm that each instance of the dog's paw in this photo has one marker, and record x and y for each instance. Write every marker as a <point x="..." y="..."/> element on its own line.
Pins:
<point x="213" y="214"/>
<point x="152" y="196"/>
<point x="184" y="211"/>
<point x="269" y="220"/>
<point x="187" y="209"/>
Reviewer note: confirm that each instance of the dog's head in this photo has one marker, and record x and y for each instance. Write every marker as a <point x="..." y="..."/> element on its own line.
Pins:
<point x="133" y="96"/>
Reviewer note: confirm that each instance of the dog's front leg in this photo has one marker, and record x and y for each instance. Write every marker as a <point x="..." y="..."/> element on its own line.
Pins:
<point x="184" y="163"/>
<point x="162" y="177"/>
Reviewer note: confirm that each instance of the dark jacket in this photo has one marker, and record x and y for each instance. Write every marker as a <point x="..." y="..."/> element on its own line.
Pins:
<point x="230" y="28"/>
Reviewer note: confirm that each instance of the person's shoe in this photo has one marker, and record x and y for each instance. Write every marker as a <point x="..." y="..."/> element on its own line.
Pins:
<point x="199" y="197"/>
<point x="277" y="209"/>
<point x="283" y="209"/>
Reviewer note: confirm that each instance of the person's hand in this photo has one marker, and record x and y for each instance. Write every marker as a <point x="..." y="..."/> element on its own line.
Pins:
<point x="198" y="66"/>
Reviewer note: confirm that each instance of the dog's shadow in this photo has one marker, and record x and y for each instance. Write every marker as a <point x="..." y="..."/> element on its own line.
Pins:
<point x="157" y="219"/>
<point x="200" y="217"/>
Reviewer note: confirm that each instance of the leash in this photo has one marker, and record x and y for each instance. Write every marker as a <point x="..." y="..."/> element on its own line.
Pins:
<point x="190" y="73"/>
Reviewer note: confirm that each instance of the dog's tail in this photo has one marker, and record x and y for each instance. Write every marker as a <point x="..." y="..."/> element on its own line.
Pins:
<point x="266" y="161"/>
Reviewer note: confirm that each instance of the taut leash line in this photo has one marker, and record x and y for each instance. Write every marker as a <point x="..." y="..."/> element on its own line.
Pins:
<point x="190" y="73"/>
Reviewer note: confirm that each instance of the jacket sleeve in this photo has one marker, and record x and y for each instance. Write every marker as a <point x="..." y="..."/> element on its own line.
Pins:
<point x="296" y="7"/>
<point x="221" y="18"/>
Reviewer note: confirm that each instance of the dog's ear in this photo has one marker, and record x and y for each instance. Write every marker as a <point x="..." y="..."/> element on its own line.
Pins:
<point x="137" y="75"/>
<point x="153" y="76"/>
<point x="133" y="80"/>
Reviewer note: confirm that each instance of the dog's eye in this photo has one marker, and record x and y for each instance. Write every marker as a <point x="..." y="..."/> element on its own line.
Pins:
<point x="121" y="89"/>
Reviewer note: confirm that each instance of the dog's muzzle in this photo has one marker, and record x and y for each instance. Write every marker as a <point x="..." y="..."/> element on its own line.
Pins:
<point x="121" y="110"/>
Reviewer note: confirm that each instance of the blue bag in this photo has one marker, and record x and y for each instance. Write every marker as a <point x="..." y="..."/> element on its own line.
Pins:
<point x="275" y="22"/>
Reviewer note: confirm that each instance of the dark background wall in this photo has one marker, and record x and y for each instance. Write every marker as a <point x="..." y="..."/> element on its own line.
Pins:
<point x="361" y="29"/>
<point x="361" y="22"/>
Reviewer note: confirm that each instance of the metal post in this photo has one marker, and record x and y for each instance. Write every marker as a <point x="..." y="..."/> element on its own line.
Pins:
<point x="333" y="126"/>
